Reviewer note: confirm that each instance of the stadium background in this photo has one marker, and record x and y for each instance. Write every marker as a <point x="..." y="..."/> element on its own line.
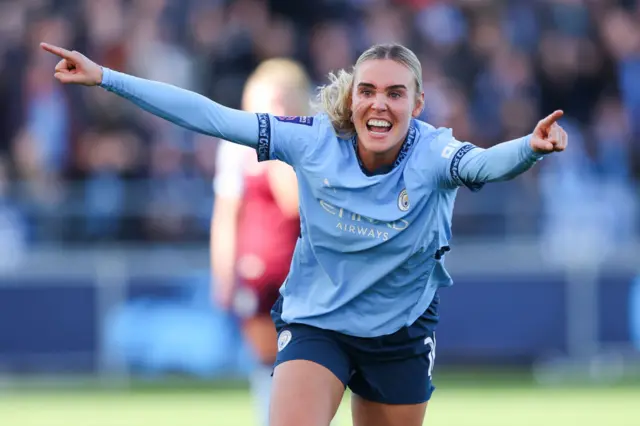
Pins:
<point x="105" y="316"/>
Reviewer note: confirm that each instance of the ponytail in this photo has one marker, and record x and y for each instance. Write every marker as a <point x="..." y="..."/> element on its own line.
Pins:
<point x="334" y="99"/>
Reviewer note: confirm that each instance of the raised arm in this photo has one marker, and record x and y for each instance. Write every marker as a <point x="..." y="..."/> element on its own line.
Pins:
<point x="509" y="159"/>
<point x="182" y="107"/>
<point x="471" y="166"/>
<point x="501" y="162"/>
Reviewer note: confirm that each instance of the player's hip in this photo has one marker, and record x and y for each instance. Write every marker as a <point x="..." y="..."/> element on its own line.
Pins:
<point x="391" y="369"/>
<point x="402" y="340"/>
<point x="352" y="312"/>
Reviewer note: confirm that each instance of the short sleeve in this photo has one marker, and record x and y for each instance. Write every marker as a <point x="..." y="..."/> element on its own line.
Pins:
<point x="449" y="153"/>
<point x="228" y="180"/>
<point x="288" y="139"/>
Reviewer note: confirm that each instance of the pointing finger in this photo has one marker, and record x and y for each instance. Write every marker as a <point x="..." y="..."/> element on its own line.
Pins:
<point x="58" y="51"/>
<point x="547" y="122"/>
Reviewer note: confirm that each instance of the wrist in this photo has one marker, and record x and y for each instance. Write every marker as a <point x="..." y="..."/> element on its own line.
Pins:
<point x="104" y="77"/>
<point x="531" y="151"/>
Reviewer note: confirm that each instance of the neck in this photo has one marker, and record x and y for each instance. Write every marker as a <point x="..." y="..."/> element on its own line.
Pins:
<point x="379" y="162"/>
<point x="376" y="162"/>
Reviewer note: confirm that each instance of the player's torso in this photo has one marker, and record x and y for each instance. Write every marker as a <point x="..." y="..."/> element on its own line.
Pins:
<point x="346" y="211"/>
<point x="367" y="261"/>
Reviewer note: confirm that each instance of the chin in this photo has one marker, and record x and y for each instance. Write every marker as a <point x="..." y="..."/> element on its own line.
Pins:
<point x="383" y="141"/>
<point x="377" y="146"/>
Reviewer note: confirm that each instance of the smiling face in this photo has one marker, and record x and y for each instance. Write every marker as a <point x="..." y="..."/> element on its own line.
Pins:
<point x="384" y="100"/>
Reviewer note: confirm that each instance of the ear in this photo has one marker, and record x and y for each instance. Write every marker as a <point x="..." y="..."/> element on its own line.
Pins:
<point x="419" y="106"/>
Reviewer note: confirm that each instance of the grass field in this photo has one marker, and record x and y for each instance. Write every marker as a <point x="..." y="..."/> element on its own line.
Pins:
<point x="457" y="404"/>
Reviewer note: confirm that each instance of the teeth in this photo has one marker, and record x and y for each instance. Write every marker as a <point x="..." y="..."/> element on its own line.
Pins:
<point x="379" y="123"/>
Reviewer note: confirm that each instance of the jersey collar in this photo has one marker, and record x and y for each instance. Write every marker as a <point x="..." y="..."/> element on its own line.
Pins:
<point x="406" y="146"/>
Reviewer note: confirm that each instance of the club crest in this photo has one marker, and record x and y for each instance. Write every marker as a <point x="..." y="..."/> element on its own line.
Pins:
<point x="403" y="201"/>
<point x="284" y="339"/>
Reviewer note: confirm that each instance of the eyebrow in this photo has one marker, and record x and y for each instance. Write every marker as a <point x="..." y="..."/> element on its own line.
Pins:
<point x="392" y="87"/>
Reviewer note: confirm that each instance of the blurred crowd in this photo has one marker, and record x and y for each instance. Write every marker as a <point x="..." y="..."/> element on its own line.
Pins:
<point x="82" y="165"/>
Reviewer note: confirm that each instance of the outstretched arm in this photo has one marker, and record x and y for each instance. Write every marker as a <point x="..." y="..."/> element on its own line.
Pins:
<point x="182" y="107"/>
<point x="498" y="163"/>
<point x="473" y="167"/>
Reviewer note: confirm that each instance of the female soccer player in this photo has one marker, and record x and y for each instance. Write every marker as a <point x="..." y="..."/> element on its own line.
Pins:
<point x="376" y="190"/>
<point x="255" y="223"/>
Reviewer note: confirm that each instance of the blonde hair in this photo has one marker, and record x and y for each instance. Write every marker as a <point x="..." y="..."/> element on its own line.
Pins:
<point x="287" y="75"/>
<point x="334" y="99"/>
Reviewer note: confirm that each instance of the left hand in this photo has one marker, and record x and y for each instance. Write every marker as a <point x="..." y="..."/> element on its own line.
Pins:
<point x="548" y="136"/>
<point x="74" y="67"/>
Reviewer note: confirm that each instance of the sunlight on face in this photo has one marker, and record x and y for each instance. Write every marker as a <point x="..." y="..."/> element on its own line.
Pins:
<point x="384" y="100"/>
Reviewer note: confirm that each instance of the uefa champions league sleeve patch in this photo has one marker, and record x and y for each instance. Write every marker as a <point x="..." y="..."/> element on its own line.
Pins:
<point x="307" y="121"/>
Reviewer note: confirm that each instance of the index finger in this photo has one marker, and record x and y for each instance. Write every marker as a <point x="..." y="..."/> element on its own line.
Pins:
<point x="59" y="51"/>
<point x="548" y="121"/>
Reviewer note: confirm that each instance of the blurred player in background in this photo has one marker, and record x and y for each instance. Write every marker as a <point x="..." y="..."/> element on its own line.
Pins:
<point x="255" y="222"/>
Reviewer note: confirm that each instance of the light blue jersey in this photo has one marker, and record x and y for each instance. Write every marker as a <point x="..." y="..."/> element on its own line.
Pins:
<point x="371" y="252"/>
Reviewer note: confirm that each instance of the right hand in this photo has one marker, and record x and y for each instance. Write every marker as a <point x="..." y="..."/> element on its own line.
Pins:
<point x="74" y="67"/>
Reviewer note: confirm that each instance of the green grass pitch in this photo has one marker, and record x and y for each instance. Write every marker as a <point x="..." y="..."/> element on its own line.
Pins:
<point x="455" y="405"/>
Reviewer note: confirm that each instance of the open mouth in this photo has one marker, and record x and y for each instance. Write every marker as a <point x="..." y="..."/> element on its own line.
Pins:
<point x="379" y="126"/>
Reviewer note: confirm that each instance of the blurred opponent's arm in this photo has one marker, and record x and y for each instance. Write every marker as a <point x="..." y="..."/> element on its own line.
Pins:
<point x="228" y="189"/>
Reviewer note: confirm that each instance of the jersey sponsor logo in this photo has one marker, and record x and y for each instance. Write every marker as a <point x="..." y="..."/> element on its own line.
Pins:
<point x="328" y="185"/>
<point x="284" y="339"/>
<point x="403" y="200"/>
<point x="366" y="227"/>
<point x="307" y="121"/>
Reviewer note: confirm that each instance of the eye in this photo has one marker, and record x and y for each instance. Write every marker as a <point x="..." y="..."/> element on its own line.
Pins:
<point x="366" y="92"/>
<point x="395" y="95"/>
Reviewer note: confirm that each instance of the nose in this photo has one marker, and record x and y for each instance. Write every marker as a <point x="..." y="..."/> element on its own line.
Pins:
<point x="380" y="102"/>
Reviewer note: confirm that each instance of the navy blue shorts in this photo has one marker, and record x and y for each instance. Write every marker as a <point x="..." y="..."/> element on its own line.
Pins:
<point x="391" y="369"/>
